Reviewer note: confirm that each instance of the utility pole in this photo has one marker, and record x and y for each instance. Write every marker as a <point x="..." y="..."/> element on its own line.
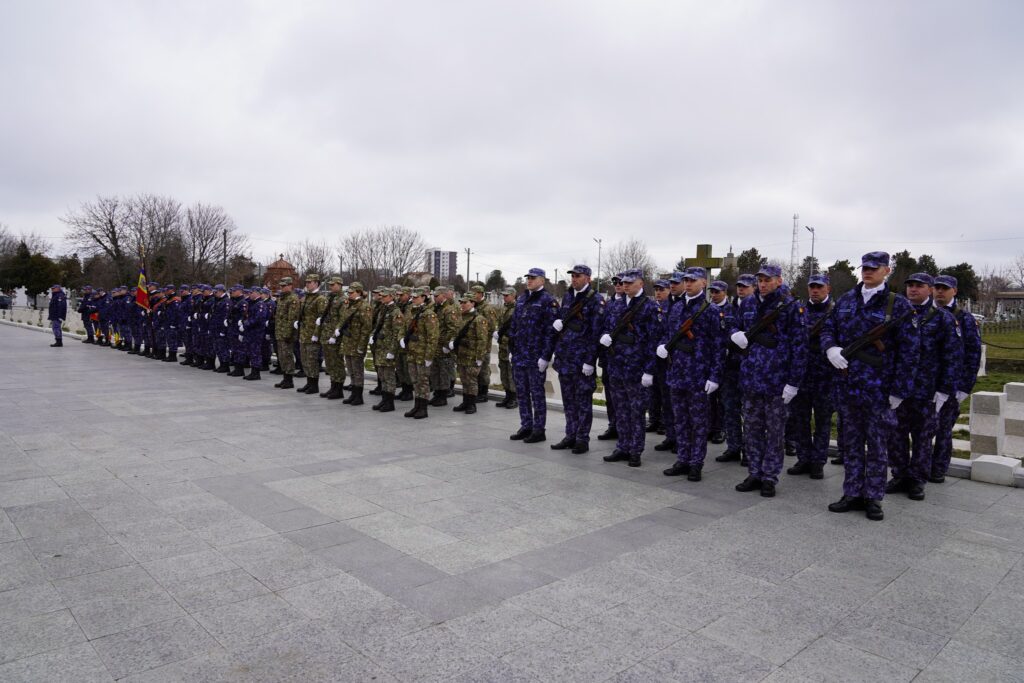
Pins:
<point x="598" y="240"/>
<point x="467" y="265"/>
<point x="793" y="250"/>
<point x="812" y="264"/>
<point x="225" y="257"/>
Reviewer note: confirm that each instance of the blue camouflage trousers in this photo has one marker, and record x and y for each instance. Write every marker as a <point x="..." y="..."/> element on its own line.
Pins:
<point x="690" y="411"/>
<point x="236" y="350"/>
<point x="220" y="345"/>
<point x="943" y="449"/>
<point x="578" y="400"/>
<point x="811" y="444"/>
<point x="864" y="434"/>
<point x="533" y="407"/>
<point x="631" y="400"/>
<point x="253" y="347"/>
<point x="732" y="408"/>
<point x="87" y="322"/>
<point x="55" y="326"/>
<point x="764" y="424"/>
<point x="664" y="412"/>
<point x="910" y="447"/>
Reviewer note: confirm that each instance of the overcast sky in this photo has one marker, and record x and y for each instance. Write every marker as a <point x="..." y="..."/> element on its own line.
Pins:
<point x="525" y="129"/>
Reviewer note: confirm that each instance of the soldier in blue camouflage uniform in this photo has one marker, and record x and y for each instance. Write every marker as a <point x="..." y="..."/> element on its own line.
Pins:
<point x="692" y="344"/>
<point x="935" y="383"/>
<point x="871" y="382"/>
<point x="630" y="334"/>
<point x="100" y="306"/>
<point x="945" y="290"/>
<point x="174" y="321"/>
<point x="254" y="329"/>
<point x="718" y="292"/>
<point x="732" y="393"/>
<point x="136" y="316"/>
<point x="185" y="323"/>
<point x="236" y="318"/>
<point x="815" y="397"/>
<point x="770" y="374"/>
<point x="617" y="297"/>
<point x="531" y="338"/>
<point x="57" y="314"/>
<point x="156" y="321"/>
<point x="149" y="320"/>
<point x="267" y="347"/>
<point x="206" y="330"/>
<point x="83" y="310"/>
<point x="219" y="310"/>
<point x="661" y="418"/>
<point x="577" y="329"/>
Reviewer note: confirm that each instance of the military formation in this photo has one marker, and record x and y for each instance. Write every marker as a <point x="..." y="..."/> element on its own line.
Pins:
<point x="764" y="370"/>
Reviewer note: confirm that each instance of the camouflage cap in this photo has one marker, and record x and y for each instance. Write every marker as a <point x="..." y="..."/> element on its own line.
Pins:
<point x="406" y="289"/>
<point x="386" y="291"/>
<point x="440" y="289"/>
<point x="284" y="281"/>
<point x="357" y="286"/>
<point x="509" y="291"/>
<point x="746" y="280"/>
<point x="419" y="291"/>
<point x="477" y="289"/>
<point x="335" y="280"/>
<point x="312" y="277"/>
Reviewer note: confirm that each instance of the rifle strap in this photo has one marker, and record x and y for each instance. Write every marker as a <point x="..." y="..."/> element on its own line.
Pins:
<point x="889" y="306"/>
<point x="464" y="330"/>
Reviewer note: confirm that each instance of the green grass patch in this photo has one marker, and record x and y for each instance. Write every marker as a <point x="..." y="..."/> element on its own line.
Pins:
<point x="1014" y="339"/>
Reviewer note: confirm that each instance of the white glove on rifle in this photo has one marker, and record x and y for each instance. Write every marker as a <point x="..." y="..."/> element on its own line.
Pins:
<point x="542" y="364"/>
<point x="241" y="326"/>
<point x="961" y="395"/>
<point x="710" y="387"/>
<point x="451" y="344"/>
<point x="401" y="342"/>
<point x="428" y="363"/>
<point x="225" y="322"/>
<point x="295" y="324"/>
<point x="495" y="336"/>
<point x="318" y="322"/>
<point x="390" y="356"/>
<point x="647" y="380"/>
<point x="240" y="338"/>
<point x="588" y="370"/>
<point x="332" y="340"/>
<point x="445" y="349"/>
<point x="789" y="392"/>
<point x="314" y="338"/>
<point x="662" y="351"/>
<point x="940" y="399"/>
<point x="606" y="339"/>
<point x="835" y="357"/>
<point x="740" y="339"/>
<point x="558" y="325"/>
<point x="894" y="402"/>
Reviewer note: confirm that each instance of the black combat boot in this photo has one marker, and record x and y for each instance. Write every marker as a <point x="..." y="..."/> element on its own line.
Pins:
<point x="677" y="469"/>
<point x="470" y="407"/>
<point x="536" y="436"/>
<point x="237" y="372"/>
<point x="513" y="402"/>
<point x="312" y="385"/>
<point x="406" y="393"/>
<point x="223" y="368"/>
<point x="730" y="455"/>
<point x="502" y="402"/>
<point x="751" y="483"/>
<point x="566" y="442"/>
<point x="302" y="389"/>
<point x="254" y="374"/>
<point x="873" y="510"/>
<point x="277" y="370"/>
<point x="381" y="403"/>
<point x="387" y="404"/>
<point x="356" y="399"/>
<point x="172" y="357"/>
<point x="481" y="392"/>
<point x="412" y="411"/>
<point x="716" y="437"/>
<point x="521" y="434"/>
<point x="376" y="391"/>
<point x="421" y="410"/>
<point x="300" y="373"/>
<point x="439" y="399"/>
<point x="608" y="434"/>
<point x="451" y="390"/>
<point x="188" y="360"/>
<point x="336" y="391"/>
<point x="285" y="383"/>
<point x="57" y="343"/>
<point x="634" y="460"/>
<point x="323" y="394"/>
<point x="617" y="455"/>
<point x="666" y="445"/>
<point x="847" y="503"/>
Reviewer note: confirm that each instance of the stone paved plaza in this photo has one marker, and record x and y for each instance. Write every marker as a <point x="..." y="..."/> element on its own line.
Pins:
<point x="160" y="523"/>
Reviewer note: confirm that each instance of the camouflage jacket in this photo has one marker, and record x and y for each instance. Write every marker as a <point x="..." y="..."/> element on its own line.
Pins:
<point x="421" y="334"/>
<point x="386" y="335"/>
<point x="357" y="321"/>
<point x="312" y="307"/>
<point x="449" y="319"/>
<point x="503" y="325"/>
<point x="473" y="341"/>
<point x="490" y="314"/>
<point x="287" y="313"/>
<point x="331" y="317"/>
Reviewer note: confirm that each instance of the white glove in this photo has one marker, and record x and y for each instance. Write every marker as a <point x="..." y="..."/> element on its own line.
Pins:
<point x="332" y="340"/>
<point x="267" y="337"/>
<point x="558" y="325"/>
<point x="225" y="322"/>
<point x="789" y="392"/>
<point x="940" y="398"/>
<point x="479" y="363"/>
<point x="710" y="387"/>
<point x="241" y="327"/>
<point x="314" y="338"/>
<point x="835" y="357"/>
<point x="173" y="327"/>
<point x="240" y="338"/>
<point x="662" y="351"/>
<point x="318" y="322"/>
<point x="445" y="349"/>
<point x="60" y="320"/>
<point x="495" y="336"/>
<point x="295" y="324"/>
<point x="371" y="340"/>
<point x="588" y="370"/>
<point x="207" y="316"/>
<point x="961" y="395"/>
<point x="606" y="340"/>
<point x="401" y="342"/>
<point x="390" y="356"/>
<point x="542" y="364"/>
<point x="647" y="380"/>
<point x="739" y="339"/>
<point x="451" y="344"/>
<point x="894" y="402"/>
<point x="428" y="363"/>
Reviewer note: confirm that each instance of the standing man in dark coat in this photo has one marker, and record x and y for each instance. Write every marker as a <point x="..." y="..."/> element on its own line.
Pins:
<point x="532" y="337"/>
<point x="57" y="314"/>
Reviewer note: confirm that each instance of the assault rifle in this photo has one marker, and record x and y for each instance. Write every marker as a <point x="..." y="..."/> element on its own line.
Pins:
<point x="756" y="334"/>
<point x="857" y="349"/>
<point x="685" y="332"/>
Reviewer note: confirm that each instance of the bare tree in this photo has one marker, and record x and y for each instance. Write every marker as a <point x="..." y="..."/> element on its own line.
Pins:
<point x="9" y="242"/>
<point x="1016" y="272"/>
<point x="101" y="227"/>
<point x="383" y="254"/>
<point x="310" y="256"/>
<point x="627" y="255"/>
<point x="203" y="235"/>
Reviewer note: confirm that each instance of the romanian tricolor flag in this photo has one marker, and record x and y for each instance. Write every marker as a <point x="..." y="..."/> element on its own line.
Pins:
<point x="141" y="293"/>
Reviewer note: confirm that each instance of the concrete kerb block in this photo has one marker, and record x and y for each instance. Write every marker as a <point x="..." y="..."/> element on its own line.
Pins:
<point x="984" y="359"/>
<point x="988" y="423"/>
<point x="1013" y="443"/>
<point x="995" y="469"/>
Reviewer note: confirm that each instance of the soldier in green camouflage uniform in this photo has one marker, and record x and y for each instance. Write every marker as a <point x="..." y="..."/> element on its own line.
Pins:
<point x="354" y="331"/>
<point x="448" y="319"/>
<point x="376" y="308"/>
<point x="404" y="381"/>
<point x="328" y="344"/>
<point x="421" y="348"/>
<point x="470" y="345"/>
<point x="490" y="314"/>
<point x="386" y="336"/>
<point x="310" y="311"/>
<point x="501" y="336"/>
<point x="285" y="318"/>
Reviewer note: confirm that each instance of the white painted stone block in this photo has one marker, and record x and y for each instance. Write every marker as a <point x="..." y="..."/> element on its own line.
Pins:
<point x="1014" y="392"/>
<point x="1013" y="447"/>
<point x="994" y="469"/>
<point x="984" y="358"/>
<point x="988" y="423"/>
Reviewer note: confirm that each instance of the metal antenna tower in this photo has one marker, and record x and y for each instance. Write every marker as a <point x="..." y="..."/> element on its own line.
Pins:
<point x="794" y="251"/>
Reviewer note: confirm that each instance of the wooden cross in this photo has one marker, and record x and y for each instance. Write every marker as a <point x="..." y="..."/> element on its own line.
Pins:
<point x="704" y="258"/>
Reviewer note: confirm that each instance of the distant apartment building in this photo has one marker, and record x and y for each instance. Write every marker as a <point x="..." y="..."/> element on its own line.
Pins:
<point x="442" y="264"/>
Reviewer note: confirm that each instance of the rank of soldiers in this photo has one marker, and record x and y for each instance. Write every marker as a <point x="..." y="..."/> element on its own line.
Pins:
<point x="762" y="370"/>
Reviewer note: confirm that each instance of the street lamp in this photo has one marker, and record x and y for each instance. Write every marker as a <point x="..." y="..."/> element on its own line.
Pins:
<point x="598" y="240"/>
<point x="811" y="230"/>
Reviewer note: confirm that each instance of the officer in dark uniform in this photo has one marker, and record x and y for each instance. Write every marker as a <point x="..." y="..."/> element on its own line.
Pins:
<point x="944" y="292"/>
<point x="732" y="394"/>
<point x="871" y="381"/>
<point x="532" y="337"/>
<point x="576" y="329"/>
<point x="617" y="298"/>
